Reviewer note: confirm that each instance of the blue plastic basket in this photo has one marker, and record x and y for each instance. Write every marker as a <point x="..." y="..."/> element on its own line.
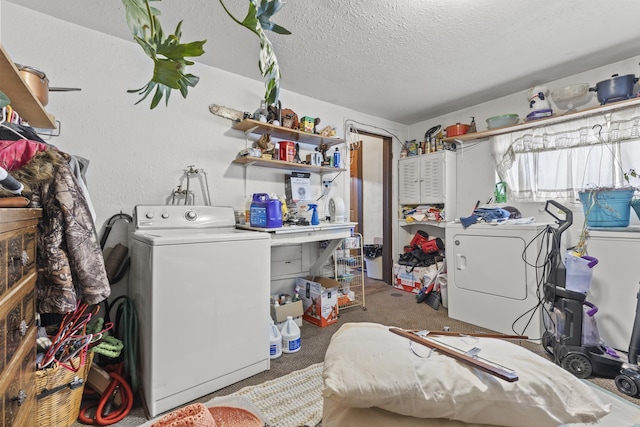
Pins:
<point x="607" y="208"/>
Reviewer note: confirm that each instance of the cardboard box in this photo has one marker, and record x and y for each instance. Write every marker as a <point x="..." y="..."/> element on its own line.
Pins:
<point x="279" y="313"/>
<point x="412" y="279"/>
<point x="297" y="186"/>
<point x="319" y="299"/>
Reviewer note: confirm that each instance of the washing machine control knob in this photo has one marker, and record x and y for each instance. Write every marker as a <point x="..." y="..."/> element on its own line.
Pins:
<point x="165" y="215"/>
<point x="191" y="215"/>
<point x="149" y="215"/>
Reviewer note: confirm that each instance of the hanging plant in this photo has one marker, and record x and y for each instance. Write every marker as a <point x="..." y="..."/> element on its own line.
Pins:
<point x="169" y="55"/>
<point x="257" y="20"/>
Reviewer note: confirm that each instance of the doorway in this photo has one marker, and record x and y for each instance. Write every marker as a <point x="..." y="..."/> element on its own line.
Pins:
<point x="370" y="193"/>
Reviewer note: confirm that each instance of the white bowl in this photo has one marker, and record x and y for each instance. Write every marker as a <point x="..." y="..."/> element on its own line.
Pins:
<point x="572" y="96"/>
<point x="502" y="121"/>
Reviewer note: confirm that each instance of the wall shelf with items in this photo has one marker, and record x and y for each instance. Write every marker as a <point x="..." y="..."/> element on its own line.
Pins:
<point x="259" y="128"/>
<point x="349" y="272"/>
<point x="280" y="164"/>
<point x="545" y="121"/>
<point x="23" y="101"/>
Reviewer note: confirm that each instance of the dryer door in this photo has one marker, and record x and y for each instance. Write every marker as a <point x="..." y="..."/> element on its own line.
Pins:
<point x="490" y="265"/>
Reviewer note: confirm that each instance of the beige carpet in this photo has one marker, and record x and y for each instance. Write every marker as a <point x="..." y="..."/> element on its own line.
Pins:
<point x="385" y="305"/>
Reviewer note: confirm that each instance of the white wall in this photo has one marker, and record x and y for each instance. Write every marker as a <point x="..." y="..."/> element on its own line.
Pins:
<point x="138" y="155"/>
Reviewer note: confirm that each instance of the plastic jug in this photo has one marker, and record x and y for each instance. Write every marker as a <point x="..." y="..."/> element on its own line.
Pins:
<point x="275" y="341"/>
<point x="290" y="336"/>
<point x="265" y="212"/>
<point x="579" y="272"/>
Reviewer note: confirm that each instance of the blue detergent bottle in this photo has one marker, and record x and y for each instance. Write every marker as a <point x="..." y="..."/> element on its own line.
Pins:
<point x="315" y="220"/>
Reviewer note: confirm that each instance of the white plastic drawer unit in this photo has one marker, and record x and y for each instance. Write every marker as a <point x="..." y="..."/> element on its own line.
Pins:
<point x="286" y="260"/>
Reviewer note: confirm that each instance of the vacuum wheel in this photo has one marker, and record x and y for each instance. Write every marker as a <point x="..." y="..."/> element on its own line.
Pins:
<point x="547" y="342"/>
<point x="577" y="364"/>
<point x="626" y="385"/>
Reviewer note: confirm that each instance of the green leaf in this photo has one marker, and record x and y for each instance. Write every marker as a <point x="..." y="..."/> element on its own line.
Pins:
<point x="257" y="20"/>
<point x="4" y="100"/>
<point x="265" y="11"/>
<point x="137" y="15"/>
<point x="166" y="52"/>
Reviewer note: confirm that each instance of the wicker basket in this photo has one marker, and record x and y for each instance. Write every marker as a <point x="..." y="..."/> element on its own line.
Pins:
<point x="60" y="408"/>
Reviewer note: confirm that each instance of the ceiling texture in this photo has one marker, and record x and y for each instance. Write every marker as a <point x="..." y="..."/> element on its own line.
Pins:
<point x="401" y="60"/>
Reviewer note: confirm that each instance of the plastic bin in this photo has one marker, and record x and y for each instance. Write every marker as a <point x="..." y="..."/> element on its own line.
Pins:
<point x="579" y="272"/>
<point x="373" y="260"/>
<point x="374" y="267"/>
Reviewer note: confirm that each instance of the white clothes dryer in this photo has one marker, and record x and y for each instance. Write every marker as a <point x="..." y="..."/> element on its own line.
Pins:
<point x="492" y="279"/>
<point x="201" y="292"/>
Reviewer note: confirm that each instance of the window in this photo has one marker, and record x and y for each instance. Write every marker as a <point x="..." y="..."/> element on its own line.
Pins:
<point x="559" y="160"/>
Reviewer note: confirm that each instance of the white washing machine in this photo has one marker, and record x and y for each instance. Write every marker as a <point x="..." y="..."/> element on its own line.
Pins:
<point x="489" y="283"/>
<point x="201" y="291"/>
<point x="615" y="282"/>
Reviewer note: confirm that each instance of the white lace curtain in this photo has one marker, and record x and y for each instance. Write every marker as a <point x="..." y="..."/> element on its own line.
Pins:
<point x="557" y="161"/>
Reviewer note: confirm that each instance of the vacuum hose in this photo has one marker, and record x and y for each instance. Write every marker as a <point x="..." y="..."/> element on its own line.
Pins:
<point x="10" y="183"/>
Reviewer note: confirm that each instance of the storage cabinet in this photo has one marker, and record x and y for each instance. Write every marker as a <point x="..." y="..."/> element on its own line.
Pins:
<point x="349" y="272"/>
<point x="17" y="316"/>
<point x="249" y="126"/>
<point x="428" y="179"/>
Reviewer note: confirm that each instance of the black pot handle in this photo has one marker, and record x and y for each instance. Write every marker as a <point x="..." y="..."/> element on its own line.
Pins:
<point x="593" y="89"/>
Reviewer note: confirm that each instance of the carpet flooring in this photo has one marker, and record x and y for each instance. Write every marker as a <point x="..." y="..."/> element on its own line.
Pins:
<point x="385" y="305"/>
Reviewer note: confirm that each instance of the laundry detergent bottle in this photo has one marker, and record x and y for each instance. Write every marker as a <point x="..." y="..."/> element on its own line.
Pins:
<point x="290" y="336"/>
<point x="275" y="341"/>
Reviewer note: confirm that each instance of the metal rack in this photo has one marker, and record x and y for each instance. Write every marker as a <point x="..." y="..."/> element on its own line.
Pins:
<point x="349" y="272"/>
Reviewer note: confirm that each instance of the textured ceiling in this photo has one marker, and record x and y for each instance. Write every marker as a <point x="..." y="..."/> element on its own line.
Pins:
<point x="403" y="60"/>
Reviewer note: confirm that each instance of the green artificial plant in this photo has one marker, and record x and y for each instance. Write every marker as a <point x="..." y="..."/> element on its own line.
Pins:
<point x="169" y="54"/>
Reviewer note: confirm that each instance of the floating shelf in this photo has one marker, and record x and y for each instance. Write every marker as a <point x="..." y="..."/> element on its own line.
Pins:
<point x="254" y="126"/>
<point x="279" y="164"/>
<point x="23" y="100"/>
<point x="546" y="121"/>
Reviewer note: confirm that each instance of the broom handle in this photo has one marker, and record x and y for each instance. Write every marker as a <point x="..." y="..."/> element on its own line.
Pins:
<point x="492" y="369"/>
<point x="472" y="334"/>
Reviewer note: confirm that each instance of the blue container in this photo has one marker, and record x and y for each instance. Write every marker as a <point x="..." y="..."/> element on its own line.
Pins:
<point x="265" y="212"/>
<point x="607" y="208"/>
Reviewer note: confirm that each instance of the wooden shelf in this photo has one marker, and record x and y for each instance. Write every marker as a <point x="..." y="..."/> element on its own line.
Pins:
<point x="404" y="223"/>
<point x="23" y="100"/>
<point x="254" y="126"/>
<point x="279" y="164"/>
<point x="546" y="121"/>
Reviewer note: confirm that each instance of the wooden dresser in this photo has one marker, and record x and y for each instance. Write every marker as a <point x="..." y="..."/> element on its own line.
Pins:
<point x="18" y="228"/>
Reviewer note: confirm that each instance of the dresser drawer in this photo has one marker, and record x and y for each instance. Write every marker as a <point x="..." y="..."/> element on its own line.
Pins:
<point x="17" y="257"/>
<point x="286" y="260"/>
<point x="17" y="319"/>
<point x="18" y="389"/>
<point x="286" y="253"/>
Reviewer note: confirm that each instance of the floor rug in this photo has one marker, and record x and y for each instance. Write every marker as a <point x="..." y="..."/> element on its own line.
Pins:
<point x="292" y="400"/>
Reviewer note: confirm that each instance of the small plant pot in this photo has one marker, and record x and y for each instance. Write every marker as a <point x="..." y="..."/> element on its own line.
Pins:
<point x="607" y="208"/>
